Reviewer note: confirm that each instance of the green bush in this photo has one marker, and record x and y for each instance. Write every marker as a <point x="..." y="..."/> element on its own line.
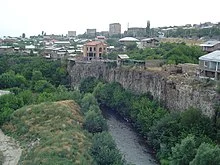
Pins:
<point x="207" y="155"/>
<point x="94" y="122"/>
<point x="104" y="150"/>
<point x="183" y="153"/>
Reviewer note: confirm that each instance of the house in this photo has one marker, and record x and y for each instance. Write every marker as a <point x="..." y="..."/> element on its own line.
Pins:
<point x="128" y="40"/>
<point x="6" y="49"/>
<point x="94" y="50"/>
<point x="121" y="58"/>
<point x="209" y="65"/>
<point x="210" y="46"/>
<point x="30" y="47"/>
<point x="149" y="43"/>
<point x="62" y="43"/>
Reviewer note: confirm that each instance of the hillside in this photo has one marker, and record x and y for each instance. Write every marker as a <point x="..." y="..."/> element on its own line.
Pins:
<point x="50" y="133"/>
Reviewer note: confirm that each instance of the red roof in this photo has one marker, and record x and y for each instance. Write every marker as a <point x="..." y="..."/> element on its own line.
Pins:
<point x="94" y="43"/>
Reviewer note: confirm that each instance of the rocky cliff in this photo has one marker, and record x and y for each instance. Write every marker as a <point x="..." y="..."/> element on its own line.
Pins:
<point x="173" y="91"/>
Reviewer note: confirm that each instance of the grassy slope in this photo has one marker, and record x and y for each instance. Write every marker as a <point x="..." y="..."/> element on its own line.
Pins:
<point x="50" y="133"/>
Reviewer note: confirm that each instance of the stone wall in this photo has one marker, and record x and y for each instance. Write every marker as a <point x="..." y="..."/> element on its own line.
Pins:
<point x="175" y="95"/>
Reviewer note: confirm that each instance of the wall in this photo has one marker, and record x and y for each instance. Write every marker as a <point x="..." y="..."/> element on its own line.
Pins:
<point x="175" y="95"/>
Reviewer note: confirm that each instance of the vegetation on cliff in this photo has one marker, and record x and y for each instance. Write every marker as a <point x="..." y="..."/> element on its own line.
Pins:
<point x="50" y="133"/>
<point x="171" y="53"/>
<point x="176" y="137"/>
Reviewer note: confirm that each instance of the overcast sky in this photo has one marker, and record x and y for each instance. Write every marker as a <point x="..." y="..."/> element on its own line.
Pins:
<point x="59" y="16"/>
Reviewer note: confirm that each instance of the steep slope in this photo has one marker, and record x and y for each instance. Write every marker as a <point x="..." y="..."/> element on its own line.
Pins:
<point x="50" y="133"/>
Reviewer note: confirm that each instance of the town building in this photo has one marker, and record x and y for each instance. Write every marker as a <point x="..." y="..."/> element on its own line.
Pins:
<point x="62" y="43"/>
<point x="149" y="43"/>
<point x="209" y="65"/>
<point x="91" y="32"/>
<point x="94" y="50"/>
<point x="114" y="29"/>
<point x="136" y="32"/>
<point x="71" y="34"/>
<point x="121" y="58"/>
<point x="210" y="46"/>
<point x="128" y="40"/>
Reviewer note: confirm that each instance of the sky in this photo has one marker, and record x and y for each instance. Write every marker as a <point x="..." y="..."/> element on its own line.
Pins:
<point x="60" y="16"/>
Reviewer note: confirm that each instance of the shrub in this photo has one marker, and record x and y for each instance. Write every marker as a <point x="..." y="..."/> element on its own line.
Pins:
<point x="104" y="150"/>
<point x="94" y="122"/>
<point x="207" y="154"/>
<point x="184" y="152"/>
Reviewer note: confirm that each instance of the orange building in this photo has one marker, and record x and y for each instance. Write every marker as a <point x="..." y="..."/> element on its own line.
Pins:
<point x="94" y="50"/>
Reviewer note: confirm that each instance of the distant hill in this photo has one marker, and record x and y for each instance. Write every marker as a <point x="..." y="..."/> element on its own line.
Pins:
<point x="50" y="133"/>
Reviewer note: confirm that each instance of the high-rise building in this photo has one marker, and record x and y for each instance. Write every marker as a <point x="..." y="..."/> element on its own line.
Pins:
<point x="114" y="29"/>
<point x="91" y="32"/>
<point x="71" y="33"/>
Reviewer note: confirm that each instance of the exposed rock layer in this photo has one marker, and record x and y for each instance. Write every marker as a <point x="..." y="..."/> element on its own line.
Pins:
<point x="175" y="95"/>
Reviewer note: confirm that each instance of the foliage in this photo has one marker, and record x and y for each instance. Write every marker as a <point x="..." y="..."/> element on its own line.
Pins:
<point x="43" y="86"/>
<point x="173" y="53"/>
<point x="94" y="122"/>
<point x="88" y="84"/>
<point x="87" y="101"/>
<point x="207" y="154"/>
<point x="104" y="150"/>
<point x="53" y="130"/>
<point x="184" y="152"/>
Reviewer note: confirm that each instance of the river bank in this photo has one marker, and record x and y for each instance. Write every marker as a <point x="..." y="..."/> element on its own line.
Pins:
<point x="130" y="144"/>
<point x="10" y="150"/>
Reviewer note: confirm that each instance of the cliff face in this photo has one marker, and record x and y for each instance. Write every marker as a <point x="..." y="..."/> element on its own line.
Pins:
<point x="175" y="95"/>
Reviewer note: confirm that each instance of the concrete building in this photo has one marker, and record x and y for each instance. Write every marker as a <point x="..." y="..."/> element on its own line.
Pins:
<point x="136" y="32"/>
<point x="71" y="33"/>
<point x="149" y="43"/>
<point x="94" y="50"/>
<point x="91" y="32"/>
<point x="210" y="46"/>
<point x="114" y="29"/>
<point x="209" y="65"/>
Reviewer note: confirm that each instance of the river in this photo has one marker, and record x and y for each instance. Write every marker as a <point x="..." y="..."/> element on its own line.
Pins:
<point x="130" y="144"/>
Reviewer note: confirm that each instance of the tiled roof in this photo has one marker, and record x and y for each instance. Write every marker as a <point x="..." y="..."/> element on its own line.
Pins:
<point x="93" y="43"/>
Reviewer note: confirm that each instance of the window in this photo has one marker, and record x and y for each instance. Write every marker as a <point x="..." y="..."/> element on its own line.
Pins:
<point x="90" y="49"/>
<point x="94" y="48"/>
<point x="100" y="49"/>
<point x="87" y="48"/>
<point x="206" y="64"/>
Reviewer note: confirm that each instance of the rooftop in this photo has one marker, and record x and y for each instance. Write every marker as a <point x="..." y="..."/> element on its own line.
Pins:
<point x="214" y="56"/>
<point x="210" y="43"/>
<point x="93" y="43"/>
<point x="128" y="39"/>
<point x="123" y="56"/>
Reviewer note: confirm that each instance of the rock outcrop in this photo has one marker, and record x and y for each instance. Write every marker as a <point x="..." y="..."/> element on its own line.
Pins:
<point x="171" y="90"/>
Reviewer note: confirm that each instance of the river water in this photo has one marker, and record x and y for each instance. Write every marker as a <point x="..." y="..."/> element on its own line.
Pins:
<point x="130" y="144"/>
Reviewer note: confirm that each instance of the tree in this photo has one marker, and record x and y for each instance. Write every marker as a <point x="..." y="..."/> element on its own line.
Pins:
<point x="94" y="122"/>
<point x="43" y="86"/>
<point x="183" y="153"/>
<point x="37" y="75"/>
<point x="23" y="35"/>
<point x="87" y="101"/>
<point x="104" y="150"/>
<point x="207" y="154"/>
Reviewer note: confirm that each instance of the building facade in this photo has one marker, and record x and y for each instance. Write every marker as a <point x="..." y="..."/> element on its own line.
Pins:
<point x="114" y="29"/>
<point x="210" y="46"/>
<point x="136" y="32"/>
<point x="209" y="65"/>
<point x="91" y="32"/>
<point x="94" y="50"/>
<point x="71" y="33"/>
